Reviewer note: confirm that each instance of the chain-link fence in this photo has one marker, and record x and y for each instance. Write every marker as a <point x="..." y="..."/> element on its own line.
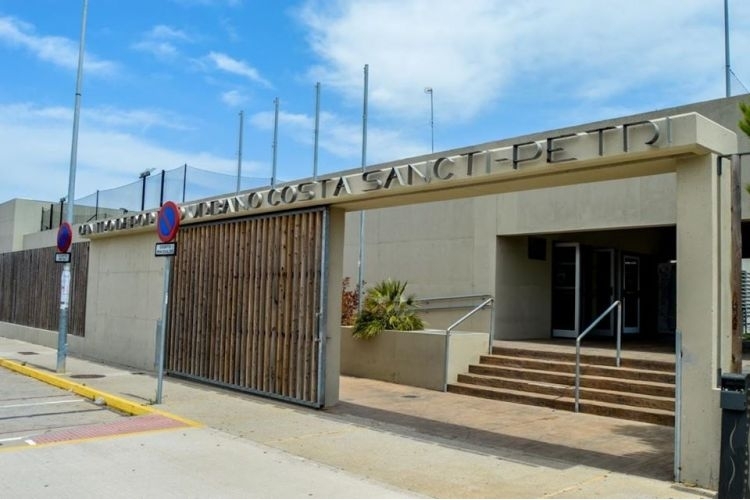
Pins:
<point x="180" y="185"/>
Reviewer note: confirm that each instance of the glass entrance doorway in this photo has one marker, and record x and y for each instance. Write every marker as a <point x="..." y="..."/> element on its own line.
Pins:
<point x="566" y="286"/>
<point x="586" y="280"/>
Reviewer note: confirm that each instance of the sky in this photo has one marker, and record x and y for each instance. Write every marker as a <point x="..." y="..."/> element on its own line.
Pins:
<point x="164" y="81"/>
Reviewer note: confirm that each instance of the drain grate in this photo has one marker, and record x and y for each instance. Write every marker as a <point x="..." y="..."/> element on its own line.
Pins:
<point x="28" y="353"/>
<point x="87" y="375"/>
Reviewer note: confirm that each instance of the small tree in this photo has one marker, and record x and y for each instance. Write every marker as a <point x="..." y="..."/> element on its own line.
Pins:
<point x="386" y="307"/>
<point x="745" y="120"/>
<point x="744" y="125"/>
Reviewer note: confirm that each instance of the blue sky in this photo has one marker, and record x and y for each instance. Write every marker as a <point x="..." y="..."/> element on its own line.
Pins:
<point x="164" y="81"/>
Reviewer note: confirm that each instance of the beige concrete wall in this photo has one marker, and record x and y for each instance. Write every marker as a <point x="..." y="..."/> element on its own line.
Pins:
<point x="18" y="218"/>
<point x="522" y="290"/>
<point x="411" y="358"/>
<point x="124" y="300"/>
<point x="47" y="239"/>
<point x="638" y="202"/>
<point x="335" y="255"/>
<point x="47" y="338"/>
<point x="703" y="314"/>
<point x="439" y="249"/>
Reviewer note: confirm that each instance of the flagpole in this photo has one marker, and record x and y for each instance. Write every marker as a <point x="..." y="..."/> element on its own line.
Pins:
<point x="360" y="263"/>
<point x="275" y="139"/>
<point x="727" y="69"/>
<point x="317" y="131"/>
<point x="239" y="153"/>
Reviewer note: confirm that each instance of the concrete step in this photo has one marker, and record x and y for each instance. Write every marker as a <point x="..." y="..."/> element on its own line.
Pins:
<point x="650" y="415"/>
<point x="568" y="390"/>
<point x="568" y="379"/>
<point x="628" y="360"/>
<point x="586" y="369"/>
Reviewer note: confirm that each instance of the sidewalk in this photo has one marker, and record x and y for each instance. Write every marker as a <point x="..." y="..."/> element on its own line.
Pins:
<point x="426" y="442"/>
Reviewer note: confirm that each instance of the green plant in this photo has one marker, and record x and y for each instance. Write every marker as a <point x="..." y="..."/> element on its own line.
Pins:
<point x="386" y="307"/>
<point x="349" y="303"/>
<point x="745" y="120"/>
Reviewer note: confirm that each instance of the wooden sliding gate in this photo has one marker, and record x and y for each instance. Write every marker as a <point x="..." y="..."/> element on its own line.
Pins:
<point x="245" y="305"/>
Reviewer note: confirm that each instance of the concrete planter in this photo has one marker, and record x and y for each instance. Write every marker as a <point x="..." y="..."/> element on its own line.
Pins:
<point x="410" y="358"/>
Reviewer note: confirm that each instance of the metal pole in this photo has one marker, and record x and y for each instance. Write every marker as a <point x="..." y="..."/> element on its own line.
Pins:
<point x="727" y="70"/>
<point x="317" y="131"/>
<point x="163" y="330"/>
<point x="143" y="192"/>
<point x="678" y="407"/>
<point x="619" y="332"/>
<point x="62" y="338"/>
<point x="184" y="181"/>
<point x="323" y="312"/>
<point x="275" y="139"/>
<point x="239" y="153"/>
<point x="578" y="372"/>
<point x="360" y="261"/>
<point x="428" y="90"/>
<point x="161" y="189"/>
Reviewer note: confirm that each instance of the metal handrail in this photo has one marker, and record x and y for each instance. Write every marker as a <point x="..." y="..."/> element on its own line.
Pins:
<point x="448" y="336"/>
<point x="433" y="303"/>
<point x="618" y="305"/>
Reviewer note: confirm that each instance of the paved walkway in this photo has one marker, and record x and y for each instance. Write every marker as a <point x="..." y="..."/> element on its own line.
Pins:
<point x="426" y="442"/>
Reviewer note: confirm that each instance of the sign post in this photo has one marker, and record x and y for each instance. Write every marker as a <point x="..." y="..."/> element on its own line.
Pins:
<point x="64" y="240"/>
<point x="167" y="225"/>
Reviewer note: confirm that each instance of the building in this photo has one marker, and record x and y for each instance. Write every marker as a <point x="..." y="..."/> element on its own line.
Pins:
<point x="555" y="226"/>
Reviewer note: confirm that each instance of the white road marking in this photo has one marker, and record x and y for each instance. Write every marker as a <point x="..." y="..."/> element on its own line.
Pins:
<point x="42" y="404"/>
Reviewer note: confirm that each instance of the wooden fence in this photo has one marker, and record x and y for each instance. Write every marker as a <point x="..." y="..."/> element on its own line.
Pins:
<point x="244" y="304"/>
<point x="30" y="288"/>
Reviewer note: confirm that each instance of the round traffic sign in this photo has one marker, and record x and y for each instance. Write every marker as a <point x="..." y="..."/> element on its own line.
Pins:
<point x="64" y="237"/>
<point x="168" y="221"/>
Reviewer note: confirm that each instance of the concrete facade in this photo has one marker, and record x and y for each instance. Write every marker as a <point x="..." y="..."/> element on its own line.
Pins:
<point x="17" y="219"/>
<point x="467" y="231"/>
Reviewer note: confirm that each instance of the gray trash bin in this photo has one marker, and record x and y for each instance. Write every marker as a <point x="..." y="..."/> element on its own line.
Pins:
<point x="733" y="466"/>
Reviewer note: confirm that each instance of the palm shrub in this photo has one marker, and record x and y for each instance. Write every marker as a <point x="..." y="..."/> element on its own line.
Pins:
<point x="386" y="307"/>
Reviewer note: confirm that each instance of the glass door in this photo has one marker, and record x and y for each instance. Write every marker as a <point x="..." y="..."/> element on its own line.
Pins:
<point x="566" y="286"/>
<point x="603" y="290"/>
<point x="631" y="294"/>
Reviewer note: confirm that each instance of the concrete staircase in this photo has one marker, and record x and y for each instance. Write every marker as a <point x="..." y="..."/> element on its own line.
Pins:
<point x="640" y="389"/>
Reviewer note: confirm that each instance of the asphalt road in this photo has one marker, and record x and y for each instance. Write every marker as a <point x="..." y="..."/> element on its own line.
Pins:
<point x="30" y="410"/>
<point x="54" y="444"/>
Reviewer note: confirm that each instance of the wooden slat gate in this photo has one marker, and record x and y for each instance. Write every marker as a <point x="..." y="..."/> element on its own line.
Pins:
<point x="245" y="301"/>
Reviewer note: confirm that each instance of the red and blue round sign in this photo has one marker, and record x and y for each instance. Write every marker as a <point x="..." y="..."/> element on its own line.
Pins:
<point x="64" y="237"/>
<point x="168" y="221"/>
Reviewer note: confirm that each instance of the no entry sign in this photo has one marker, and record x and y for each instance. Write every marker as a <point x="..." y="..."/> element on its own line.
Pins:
<point x="168" y="222"/>
<point x="64" y="237"/>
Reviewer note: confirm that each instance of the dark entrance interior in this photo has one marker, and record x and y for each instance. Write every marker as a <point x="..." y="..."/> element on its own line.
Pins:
<point x="591" y="270"/>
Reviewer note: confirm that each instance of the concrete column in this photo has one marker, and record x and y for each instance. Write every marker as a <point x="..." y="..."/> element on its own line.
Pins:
<point x="702" y="312"/>
<point x="334" y="271"/>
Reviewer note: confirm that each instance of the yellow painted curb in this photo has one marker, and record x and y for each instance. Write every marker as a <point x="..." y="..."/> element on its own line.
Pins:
<point x="110" y="400"/>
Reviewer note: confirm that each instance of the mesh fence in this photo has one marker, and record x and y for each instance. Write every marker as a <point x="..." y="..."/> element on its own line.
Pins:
<point x="181" y="184"/>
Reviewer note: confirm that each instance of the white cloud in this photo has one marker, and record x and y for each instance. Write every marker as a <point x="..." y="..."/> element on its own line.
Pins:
<point x="36" y="145"/>
<point x="59" y="51"/>
<point x="161" y="41"/>
<point x="233" y="98"/>
<point x="341" y="139"/>
<point x="477" y="54"/>
<point x="209" y="3"/>
<point x="237" y="67"/>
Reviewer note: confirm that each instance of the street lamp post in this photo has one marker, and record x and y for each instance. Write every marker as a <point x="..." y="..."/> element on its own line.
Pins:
<point x="428" y="90"/>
